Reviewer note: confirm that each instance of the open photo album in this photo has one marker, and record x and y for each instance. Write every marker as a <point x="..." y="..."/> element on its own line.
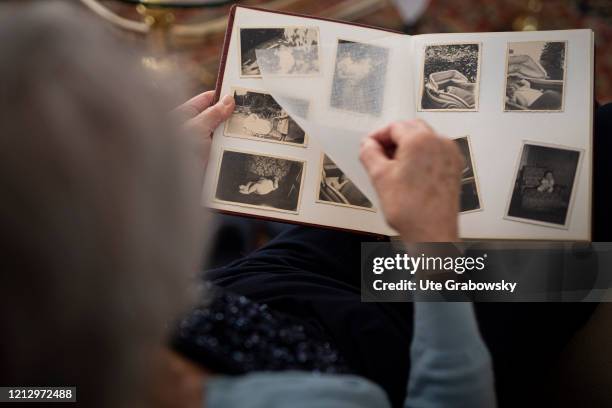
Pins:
<point x="519" y="105"/>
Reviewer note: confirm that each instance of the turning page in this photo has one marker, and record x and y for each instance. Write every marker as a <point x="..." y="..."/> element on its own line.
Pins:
<point x="306" y="92"/>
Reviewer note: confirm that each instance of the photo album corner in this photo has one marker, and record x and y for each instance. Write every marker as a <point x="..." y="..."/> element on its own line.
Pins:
<point x="518" y="105"/>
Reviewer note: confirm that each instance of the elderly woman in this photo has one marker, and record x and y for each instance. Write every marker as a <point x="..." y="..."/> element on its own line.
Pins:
<point x="101" y="230"/>
<point x="101" y="234"/>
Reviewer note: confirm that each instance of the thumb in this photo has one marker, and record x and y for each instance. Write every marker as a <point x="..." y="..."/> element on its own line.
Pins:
<point x="373" y="157"/>
<point x="195" y="105"/>
<point x="208" y="120"/>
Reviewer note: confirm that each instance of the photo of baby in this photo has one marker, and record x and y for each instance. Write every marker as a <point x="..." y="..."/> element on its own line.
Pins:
<point x="547" y="184"/>
<point x="535" y="74"/>
<point x="544" y="185"/>
<point x="262" y="186"/>
<point x="257" y="180"/>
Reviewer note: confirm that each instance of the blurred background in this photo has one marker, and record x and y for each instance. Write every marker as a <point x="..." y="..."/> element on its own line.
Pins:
<point x="187" y="35"/>
<point x="183" y="38"/>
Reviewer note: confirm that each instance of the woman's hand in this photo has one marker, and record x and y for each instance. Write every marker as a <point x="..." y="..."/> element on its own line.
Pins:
<point x="416" y="174"/>
<point x="202" y="118"/>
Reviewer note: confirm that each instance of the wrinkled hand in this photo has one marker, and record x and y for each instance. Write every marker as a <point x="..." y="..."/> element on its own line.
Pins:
<point x="202" y="118"/>
<point x="416" y="174"/>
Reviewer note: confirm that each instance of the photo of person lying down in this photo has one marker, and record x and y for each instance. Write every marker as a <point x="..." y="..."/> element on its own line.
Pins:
<point x="535" y="75"/>
<point x="257" y="180"/>
<point x="450" y="77"/>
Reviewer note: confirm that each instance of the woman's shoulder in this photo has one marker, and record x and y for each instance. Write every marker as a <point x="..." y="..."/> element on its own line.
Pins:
<point x="295" y="389"/>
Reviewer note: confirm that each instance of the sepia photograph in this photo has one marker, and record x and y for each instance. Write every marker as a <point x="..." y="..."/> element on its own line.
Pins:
<point x="258" y="116"/>
<point x="535" y="75"/>
<point x="359" y="77"/>
<point x="451" y="75"/>
<point x="470" y="193"/>
<point x="336" y="188"/>
<point x="257" y="180"/>
<point x="544" y="184"/>
<point x="290" y="50"/>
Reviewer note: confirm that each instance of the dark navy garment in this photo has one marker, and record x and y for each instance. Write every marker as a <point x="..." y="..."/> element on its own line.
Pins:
<point x="231" y="334"/>
<point x="313" y="275"/>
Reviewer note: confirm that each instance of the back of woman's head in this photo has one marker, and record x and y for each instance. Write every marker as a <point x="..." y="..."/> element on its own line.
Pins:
<point x="96" y="217"/>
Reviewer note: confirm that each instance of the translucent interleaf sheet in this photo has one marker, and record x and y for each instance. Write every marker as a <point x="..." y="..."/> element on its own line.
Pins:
<point x="361" y="89"/>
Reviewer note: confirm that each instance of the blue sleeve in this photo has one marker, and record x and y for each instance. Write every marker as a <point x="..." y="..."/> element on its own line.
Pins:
<point x="451" y="366"/>
<point x="294" y="389"/>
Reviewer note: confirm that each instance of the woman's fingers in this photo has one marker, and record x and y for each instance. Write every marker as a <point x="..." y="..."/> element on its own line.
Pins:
<point x="373" y="157"/>
<point x="395" y="133"/>
<point x="203" y="118"/>
<point x="208" y="120"/>
<point x="196" y="105"/>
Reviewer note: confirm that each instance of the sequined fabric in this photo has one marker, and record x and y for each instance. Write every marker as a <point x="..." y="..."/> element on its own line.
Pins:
<point x="233" y="335"/>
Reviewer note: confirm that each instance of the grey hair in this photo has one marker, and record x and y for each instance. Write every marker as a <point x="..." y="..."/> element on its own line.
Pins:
<point x="99" y="232"/>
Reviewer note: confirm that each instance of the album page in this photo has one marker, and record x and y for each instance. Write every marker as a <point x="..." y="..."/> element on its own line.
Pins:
<point x="520" y="105"/>
<point x="290" y="149"/>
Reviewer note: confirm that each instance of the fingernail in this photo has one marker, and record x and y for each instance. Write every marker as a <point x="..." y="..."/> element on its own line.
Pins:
<point x="227" y="99"/>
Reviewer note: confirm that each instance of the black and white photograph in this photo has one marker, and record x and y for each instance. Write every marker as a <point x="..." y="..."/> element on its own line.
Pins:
<point x="451" y="75"/>
<point x="359" y="77"/>
<point x="470" y="193"/>
<point x="289" y="51"/>
<point x="262" y="181"/>
<point x="535" y="75"/>
<point x="336" y="188"/>
<point x="258" y="116"/>
<point x="544" y="184"/>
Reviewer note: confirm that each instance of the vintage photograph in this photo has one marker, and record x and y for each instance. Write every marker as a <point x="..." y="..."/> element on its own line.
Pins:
<point x="544" y="184"/>
<point x="359" y="77"/>
<point x="258" y="116"/>
<point x="535" y="74"/>
<point x="470" y="193"/>
<point x="450" y="77"/>
<point x="257" y="180"/>
<point x="336" y="188"/>
<point x="290" y="50"/>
